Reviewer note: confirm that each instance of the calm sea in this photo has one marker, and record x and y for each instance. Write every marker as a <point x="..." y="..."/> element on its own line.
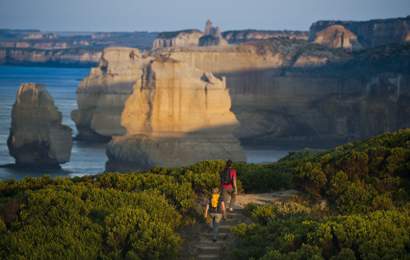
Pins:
<point x="61" y="83"/>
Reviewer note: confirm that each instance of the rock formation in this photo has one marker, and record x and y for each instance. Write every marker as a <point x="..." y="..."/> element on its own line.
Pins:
<point x="370" y="33"/>
<point x="185" y="38"/>
<point x="212" y="36"/>
<point x="337" y="36"/>
<point x="260" y="56"/>
<point x="176" y="116"/>
<point x="280" y="89"/>
<point x="37" y="137"/>
<point x="278" y="92"/>
<point x="101" y="96"/>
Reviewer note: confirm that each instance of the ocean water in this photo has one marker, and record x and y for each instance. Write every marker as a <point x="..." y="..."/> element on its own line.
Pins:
<point x="61" y="83"/>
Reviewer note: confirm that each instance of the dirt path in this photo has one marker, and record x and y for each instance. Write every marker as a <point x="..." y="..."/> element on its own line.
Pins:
<point x="205" y="248"/>
<point x="208" y="249"/>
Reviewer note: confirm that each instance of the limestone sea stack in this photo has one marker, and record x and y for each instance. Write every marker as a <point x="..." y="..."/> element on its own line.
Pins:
<point x="37" y="136"/>
<point x="101" y="96"/>
<point x="176" y="116"/>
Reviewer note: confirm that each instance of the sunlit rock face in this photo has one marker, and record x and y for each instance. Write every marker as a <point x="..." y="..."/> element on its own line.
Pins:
<point x="281" y="90"/>
<point x="337" y="36"/>
<point x="101" y="96"/>
<point x="282" y="94"/>
<point x="37" y="137"/>
<point x="183" y="38"/>
<point x="371" y="33"/>
<point x="177" y="115"/>
<point x="229" y="58"/>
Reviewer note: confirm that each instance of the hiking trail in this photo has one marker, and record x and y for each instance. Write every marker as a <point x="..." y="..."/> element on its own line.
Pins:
<point x="206" y="248"/>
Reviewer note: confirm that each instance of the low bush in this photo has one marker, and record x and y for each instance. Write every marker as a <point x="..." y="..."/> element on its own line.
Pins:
<point x="294" y="233"/>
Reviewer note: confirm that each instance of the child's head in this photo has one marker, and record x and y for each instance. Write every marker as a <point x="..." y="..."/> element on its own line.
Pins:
<point x="215" y="190"/>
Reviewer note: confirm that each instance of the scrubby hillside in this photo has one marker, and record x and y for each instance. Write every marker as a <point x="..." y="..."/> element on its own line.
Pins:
<point x="140" y="215"/>
<point x="366" y="186"/>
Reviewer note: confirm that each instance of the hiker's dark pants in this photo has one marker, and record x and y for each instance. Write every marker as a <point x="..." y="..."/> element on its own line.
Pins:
<point x="216" y="218"/>
<point x="229" y="198"/>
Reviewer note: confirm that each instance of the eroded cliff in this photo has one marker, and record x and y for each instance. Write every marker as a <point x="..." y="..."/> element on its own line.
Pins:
<point x="282" y="90"/>
<point x="283" y="94"/>
<point x="72" y="57"/>
<point x="177" y="115"/>
<point x="371" y="33"/>
<point x="102" y="95"/>
<point x="177" y="39"/>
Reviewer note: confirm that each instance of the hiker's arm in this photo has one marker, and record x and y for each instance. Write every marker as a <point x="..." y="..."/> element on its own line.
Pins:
<point x="235" y="189"/>
<point x="206" y="211"/>
<point x="223" y="209"/>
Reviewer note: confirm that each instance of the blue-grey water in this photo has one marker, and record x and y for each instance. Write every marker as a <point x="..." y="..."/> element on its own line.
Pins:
<point x="61" y="83"/>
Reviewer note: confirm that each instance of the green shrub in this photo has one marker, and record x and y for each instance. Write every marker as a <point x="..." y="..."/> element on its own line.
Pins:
<point x="296" y="234"/>
<point x="362" y="176"/>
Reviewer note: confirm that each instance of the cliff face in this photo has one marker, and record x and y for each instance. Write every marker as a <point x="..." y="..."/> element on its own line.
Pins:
<point x="242" y="36"/>
<point x="49" y="57"/>
<point x="337" y="36"/>
<point x="286" y="92"/>
<point x="177" y="115"/>
<point x="37" y="137"/>
<point x="298" y="95"/>
<point x="271" y="54"/>
<point x="177" y="39"/>
<point x="369" y="33"/>
<point x="102" y="95"/>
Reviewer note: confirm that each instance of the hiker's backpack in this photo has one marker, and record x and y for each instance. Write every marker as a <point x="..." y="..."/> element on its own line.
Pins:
<point x="226" y="177"/>
<point x="214" y="203"/>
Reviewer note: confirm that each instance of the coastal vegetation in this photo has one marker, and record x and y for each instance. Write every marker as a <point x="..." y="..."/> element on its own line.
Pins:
<point x="139" y="215"/>
<point x="366" y="188"/>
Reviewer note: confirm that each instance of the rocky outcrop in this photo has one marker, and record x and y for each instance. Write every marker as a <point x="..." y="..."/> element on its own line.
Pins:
<point x="102" y="95"/>
<point x="280" y="90"/>
<point x="271" y="54"/>
<point x="243" y="36"/>
<point x="37" y="137"/>
<point x="337" y="36"/>
<point x="77" y="58"/>
<point x="176" y="116"/>
<point x="369" y="33"/>
<point x="212" y="36"/>
<point x="183" y="38"/>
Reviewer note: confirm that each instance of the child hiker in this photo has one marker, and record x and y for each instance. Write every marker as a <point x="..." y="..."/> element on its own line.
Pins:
<point x="216" y="210"/>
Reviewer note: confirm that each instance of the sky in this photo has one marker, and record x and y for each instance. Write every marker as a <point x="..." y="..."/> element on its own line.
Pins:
<point x="168" y="15"/>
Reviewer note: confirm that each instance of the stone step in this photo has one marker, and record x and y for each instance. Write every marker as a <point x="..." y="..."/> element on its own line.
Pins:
<point x="208" y="256"/>
<point x="234" y="214"/>
<point x="225" y="225"/>
<point x="207" y="247"/>
<point x="209" y="236"/>
<point x="209" y="242"/>
<point x="231" y="222"/>
<point x="225" y="229"/>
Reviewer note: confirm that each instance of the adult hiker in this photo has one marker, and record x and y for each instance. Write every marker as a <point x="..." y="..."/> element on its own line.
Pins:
<point x="215" y="208"/>
<point x="228" y="185"/>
